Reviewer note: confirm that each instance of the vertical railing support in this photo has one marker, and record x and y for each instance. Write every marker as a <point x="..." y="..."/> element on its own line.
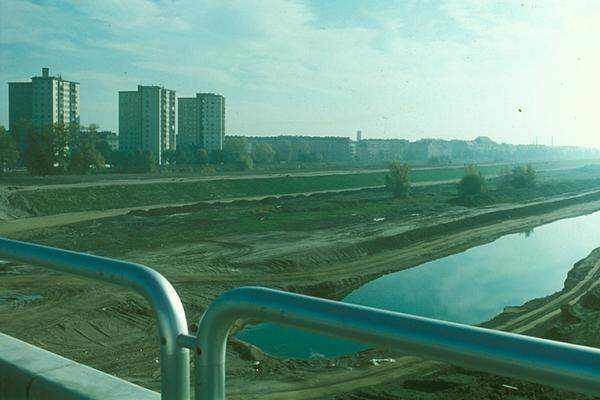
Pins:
<point x="165" y="303"/>
<point x="543" y="361"/>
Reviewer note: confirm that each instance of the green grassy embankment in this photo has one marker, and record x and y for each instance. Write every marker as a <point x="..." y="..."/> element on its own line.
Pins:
<point x="74" y="199"/>
<point x="62" y="200"/>
<point x="163" y="226"/>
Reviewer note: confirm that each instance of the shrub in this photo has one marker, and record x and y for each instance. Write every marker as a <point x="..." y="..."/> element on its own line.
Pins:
<point x="398" y="179"/>
<point x="245" y="163"/>
<point x="523" y="176"/>
<point x="473" y="183"/>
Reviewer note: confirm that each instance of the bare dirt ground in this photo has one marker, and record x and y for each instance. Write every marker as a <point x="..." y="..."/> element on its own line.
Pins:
<point x="108" y="328"/>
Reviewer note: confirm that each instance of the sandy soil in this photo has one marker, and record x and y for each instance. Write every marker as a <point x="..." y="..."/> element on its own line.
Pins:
<point x="107" y="328"/>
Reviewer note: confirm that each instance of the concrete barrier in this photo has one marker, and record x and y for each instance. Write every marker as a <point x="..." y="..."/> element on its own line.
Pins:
<point x="28" y="372"/>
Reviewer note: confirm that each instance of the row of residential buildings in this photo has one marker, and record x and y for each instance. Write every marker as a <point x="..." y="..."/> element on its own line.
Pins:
<point x="423" y="151"/>
<point x="151" y="118"/>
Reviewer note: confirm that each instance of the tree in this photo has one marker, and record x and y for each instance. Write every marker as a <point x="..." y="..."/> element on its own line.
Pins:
<point x="84" y="157"/>
<point x="202" y="157"/>
<point x="144" y="162"/>
<point x="45" y="150"/>
<point x="235" y="147"/>
<point x="136" y="161"/>
<point x="523" y="176"/>
<point x="504" y="180"/>
<point x="217" y="156"/>
<point x="472" y="183"/>
<point x="300" y="150"/>
<point x="398" y="179"/>
<point x="103" y="147"/>
<point x="8" y="151"/>
<point x="283" y="151"/>
<point x="263" y="153"/>
<point x="83" y="153"/>
<point x="310" y="157"/>
<point x="184" y="155"/>
<point x="245" y="163"/>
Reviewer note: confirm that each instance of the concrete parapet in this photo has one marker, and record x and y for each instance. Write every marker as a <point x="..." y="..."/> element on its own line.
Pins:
<point x="28" y="372"/>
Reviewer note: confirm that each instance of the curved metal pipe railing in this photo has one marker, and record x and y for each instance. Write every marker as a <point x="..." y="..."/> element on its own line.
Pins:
<point x="543" y="361"/>
<point x="165" y="303"/>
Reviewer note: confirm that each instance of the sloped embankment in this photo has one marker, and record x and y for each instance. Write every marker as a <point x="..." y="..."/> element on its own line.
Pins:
<point x="426" y="235"/>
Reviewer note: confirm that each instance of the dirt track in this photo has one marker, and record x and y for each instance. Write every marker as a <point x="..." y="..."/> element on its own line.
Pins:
<point x="522" y="321"/>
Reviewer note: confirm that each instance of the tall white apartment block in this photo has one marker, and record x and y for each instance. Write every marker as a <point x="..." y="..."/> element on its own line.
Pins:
<point x="46" y="100"/>
<point x="201" y="121"/>
<point x="147" y="120"/>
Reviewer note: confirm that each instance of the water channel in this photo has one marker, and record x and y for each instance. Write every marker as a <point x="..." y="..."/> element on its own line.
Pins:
<point x="469" y="287"/>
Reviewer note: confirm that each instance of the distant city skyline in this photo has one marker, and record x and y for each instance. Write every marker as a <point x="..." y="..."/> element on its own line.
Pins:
<point x="512" y="71"/>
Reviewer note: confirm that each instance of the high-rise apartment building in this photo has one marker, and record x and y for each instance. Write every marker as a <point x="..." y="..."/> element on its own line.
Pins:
<point x="147" y="120"/>
<point x="201" y="121"/>
<point x="46" y="100"/>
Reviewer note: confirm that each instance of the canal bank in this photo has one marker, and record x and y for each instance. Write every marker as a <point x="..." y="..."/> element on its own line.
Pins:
<point x="470" y="287"/>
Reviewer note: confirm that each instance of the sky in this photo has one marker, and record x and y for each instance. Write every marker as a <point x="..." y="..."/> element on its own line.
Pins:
<point x="510" y="70"/>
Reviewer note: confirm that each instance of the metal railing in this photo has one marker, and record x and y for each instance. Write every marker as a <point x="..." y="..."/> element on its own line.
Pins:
<point x="547" y="362"/>
<point x="543" y="361"/>
<point x="165" y="303"/>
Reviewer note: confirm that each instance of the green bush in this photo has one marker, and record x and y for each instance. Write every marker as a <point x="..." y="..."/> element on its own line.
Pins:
<point x="523" y="176"/>
<point x="472" y="184"/>
<point x="245" y="163"/>
<point x="398" y="179"/>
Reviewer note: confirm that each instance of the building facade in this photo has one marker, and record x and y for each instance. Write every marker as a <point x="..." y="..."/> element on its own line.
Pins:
<point x="308" y="148"/>
<point x="147" y="120"/>
<point x="44" y="101"/>
<point x="201" y="121"/>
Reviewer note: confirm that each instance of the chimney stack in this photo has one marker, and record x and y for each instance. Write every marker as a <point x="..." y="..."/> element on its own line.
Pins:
<point x="45" y="72"/>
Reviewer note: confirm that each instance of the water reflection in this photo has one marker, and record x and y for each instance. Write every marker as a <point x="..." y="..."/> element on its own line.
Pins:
<point x="470" y="287"/>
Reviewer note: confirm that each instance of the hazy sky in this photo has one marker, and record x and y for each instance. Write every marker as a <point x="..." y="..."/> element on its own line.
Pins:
<point x="398" y="69"/>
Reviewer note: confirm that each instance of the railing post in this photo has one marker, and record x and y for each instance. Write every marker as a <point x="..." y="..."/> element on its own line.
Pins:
<point x="543" y="361"/>
<point x="165" y="303"/>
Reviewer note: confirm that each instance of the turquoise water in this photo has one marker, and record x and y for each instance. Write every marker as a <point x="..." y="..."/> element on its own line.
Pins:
<point x="470" y="287"/>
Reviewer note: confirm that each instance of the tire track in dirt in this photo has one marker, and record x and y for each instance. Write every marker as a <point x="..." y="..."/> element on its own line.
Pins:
<point x="553" y="307"/>
<point x="407" y="366"/>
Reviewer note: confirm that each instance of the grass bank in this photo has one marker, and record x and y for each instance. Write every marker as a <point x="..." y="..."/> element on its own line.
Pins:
<point x="75" y="199"/>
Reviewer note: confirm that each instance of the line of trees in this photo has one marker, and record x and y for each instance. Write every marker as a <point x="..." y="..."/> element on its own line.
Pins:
<point x="472" y="183"/>
<point x="42" y="150"/>
<point x="71" y="149"/>
<point x="519" y="177"/>
<point x="9" y="154"/>
<point x="236" y="151"/>
<point x="66" y="149"/>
